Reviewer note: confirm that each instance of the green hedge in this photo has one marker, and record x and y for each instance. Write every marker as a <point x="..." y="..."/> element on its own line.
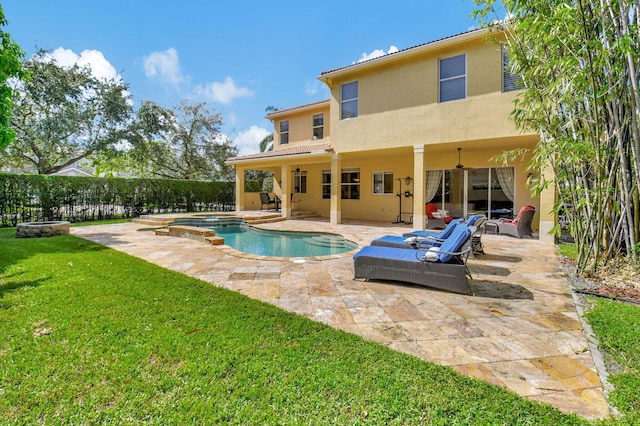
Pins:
<point x="32" y="198"/>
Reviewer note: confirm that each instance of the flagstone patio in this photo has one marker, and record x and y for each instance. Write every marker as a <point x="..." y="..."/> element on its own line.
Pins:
<point x="520" y="329"/>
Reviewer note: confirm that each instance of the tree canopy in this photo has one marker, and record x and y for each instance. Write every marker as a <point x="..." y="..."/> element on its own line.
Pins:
<point x="10" y="66"/>
<point x="65" y="114"/>
<point x="579" y="61"/>
<point x="183" y="142"/>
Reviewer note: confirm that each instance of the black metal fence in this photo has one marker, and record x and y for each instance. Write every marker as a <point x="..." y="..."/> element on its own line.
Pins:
<point x="35" y="198"/>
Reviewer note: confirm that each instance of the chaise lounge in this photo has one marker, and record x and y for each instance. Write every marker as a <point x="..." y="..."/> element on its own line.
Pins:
<point x="442" y="267"/>
<point x="418" y="239"/>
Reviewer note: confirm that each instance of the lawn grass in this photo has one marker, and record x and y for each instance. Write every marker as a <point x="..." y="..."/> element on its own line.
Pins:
<point x="568" y="250"/>
<point x="89" y="335"/>
<point x="617" y="326"/>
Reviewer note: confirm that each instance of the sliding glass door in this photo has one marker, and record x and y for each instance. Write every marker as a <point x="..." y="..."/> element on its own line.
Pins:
<point x="462" y="192"/>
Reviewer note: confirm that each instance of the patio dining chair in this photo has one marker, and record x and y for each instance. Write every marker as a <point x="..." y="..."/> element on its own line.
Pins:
<point x="265" y="200"/>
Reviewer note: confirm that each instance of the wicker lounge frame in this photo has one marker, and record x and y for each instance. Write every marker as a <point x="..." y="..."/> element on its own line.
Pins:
<point x="396" y="264"/>
<point x="449" y="272"/>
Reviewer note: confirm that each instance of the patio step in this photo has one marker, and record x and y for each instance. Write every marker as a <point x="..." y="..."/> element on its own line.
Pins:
<point x="303" y="214"/>
<point x="153" y="221"/>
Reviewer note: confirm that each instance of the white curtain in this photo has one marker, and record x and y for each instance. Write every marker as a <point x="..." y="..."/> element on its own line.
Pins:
<point x="505" y="178"/>
<point x="434" y="179"/>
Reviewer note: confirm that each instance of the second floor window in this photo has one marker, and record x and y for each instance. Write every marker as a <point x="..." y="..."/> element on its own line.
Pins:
<point x="383" y="182"/>
<point x="318" y="126"/>
<point x="284" y="132"/>
<point x="510" y="81"/>
<point x="349" y="100"/>
<point x="453" y="78"/>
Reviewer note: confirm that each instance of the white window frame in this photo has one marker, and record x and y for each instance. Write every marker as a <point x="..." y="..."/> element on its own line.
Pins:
<point x="442" y="81"/>
<point x="317" y="127"/>
<point x="381" y="175"/>
<point x="300" y="182"/>
<point x="352" y="187"/>
<point x="349" y="101"/>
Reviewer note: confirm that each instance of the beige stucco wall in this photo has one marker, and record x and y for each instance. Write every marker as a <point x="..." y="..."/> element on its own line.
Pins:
<point x="301" y="126"/>
<point x="398" y="103"/>
<point x="399" y="112"/>
<point x="400" y="162"/>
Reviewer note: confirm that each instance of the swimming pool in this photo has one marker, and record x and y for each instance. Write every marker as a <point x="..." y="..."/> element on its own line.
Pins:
<point x="247" y="239"/>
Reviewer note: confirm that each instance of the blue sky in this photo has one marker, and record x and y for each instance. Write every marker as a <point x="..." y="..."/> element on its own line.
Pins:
<point x="238" y="56"/>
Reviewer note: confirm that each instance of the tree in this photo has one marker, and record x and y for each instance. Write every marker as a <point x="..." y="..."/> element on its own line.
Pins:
<point x="10" y="66"/>
<point x="181" y="143"/>
<point x="64" y="114"/>
<point x="266" y="144"/>
<point x="580" y="63"/>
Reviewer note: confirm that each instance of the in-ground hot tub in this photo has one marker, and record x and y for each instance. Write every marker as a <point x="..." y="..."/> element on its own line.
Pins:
<point x="42" y="229"/>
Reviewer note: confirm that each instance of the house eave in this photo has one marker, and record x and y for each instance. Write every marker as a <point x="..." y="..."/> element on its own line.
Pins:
<point x="328" y="76"/>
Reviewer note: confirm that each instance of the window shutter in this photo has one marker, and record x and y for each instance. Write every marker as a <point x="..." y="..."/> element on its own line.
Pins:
<point x="453" y="80"/>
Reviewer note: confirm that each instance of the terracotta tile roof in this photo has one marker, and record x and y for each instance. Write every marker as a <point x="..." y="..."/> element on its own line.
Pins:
<point x="298" y="107"/>
<point x="398" y="52"/>
<point x="294" y="150"/>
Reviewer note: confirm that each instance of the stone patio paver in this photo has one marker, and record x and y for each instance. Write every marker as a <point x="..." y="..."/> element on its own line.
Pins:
<point x="519" y="330"/>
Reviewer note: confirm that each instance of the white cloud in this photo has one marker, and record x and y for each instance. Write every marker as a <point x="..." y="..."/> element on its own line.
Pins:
<point x="224" y="92"/>
<point x="248" y="142"/>
<point x="94" y="59"/>
<point x="312" y="87"/>
<point x="376" y="54"/>
<point x="164" y="67"/>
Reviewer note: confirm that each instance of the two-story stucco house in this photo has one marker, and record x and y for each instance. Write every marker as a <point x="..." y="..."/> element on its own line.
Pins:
<point x="409" y="128"/>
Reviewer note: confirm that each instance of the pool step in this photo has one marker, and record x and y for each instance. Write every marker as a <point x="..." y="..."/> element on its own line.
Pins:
<point x="268" y="218"/>
<point x="324" y="241"/>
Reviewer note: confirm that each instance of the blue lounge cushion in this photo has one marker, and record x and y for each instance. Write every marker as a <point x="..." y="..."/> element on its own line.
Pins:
<point x="397" y="241"/>
<point x="471" y="220"/>
<point x="440" y="235"/>
<point x="454" y="242"/>
<point x="387" y="253"/>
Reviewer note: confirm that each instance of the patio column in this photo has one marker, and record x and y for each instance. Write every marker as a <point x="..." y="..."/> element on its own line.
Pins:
<point x="285" y="185"/>
<point x="419" y="218"/>
<point x="335" y="214"/>
<point x="239" y="189"/>
<point x="548" y="218"/>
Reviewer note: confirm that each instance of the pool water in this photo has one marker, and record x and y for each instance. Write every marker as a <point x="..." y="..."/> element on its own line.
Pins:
<point x="282" y="243"/>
